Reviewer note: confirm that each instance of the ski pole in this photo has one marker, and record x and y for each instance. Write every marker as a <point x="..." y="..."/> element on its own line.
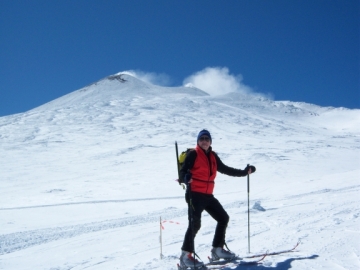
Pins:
<point x="177" y="159"/>
<point x="161" y="255"/>
<point x="248" y="193"/>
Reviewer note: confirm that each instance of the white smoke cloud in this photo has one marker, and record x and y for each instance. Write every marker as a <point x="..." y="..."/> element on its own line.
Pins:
<point x="150" y="77"/>
<point x="217" y="81"/>
<point x="213" y="80"/>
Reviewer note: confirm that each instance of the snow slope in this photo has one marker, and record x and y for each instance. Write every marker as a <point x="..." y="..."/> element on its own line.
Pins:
<point x="85" y="178"/>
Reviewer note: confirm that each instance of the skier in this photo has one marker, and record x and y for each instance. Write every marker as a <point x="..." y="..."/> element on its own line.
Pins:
<point x="198" y="172"/>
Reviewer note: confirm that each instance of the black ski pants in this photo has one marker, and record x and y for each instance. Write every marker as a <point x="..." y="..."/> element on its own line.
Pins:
<point x="211" y="205"/>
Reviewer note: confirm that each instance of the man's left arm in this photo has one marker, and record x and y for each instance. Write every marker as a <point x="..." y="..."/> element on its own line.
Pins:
<point x="222" y="168"/>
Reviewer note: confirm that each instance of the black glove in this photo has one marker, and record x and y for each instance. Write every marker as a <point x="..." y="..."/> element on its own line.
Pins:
<point x="253" y="169"/>
<point x="187" y="178"/>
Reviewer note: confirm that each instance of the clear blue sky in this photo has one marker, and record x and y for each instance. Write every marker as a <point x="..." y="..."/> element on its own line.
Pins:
<point x="298" y="50"/>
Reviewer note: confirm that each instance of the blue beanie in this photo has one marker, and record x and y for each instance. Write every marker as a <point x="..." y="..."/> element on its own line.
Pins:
<point x="202" y="133"/>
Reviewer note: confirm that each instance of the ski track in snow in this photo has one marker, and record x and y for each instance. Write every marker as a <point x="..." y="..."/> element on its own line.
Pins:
<point x="89" y="202"/>
<point x="16" y="241"/>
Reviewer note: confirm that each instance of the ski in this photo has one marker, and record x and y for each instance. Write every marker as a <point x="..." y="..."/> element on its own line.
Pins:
<point x="232" y="263"/>
<point x="221" y="264"/>
<point x="274" y="253"/>
<point x="202" y="267"/>
<point x="238" y="261"/>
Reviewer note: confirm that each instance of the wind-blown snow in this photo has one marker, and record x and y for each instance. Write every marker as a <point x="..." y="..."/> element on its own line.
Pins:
<point x="85" y="178"/>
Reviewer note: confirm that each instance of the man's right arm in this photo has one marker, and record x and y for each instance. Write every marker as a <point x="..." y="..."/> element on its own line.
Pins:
<point x="187" y="165"/>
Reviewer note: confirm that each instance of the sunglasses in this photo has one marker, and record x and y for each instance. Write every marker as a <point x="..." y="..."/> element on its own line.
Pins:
<point x="204" y="139"/>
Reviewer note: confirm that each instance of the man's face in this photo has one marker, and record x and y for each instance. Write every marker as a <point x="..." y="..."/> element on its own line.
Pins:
<point x="204" y="142"/>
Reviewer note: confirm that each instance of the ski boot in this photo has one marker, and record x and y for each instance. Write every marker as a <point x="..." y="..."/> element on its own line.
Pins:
<point x="218" y="253"/>
<point x="187" y="261"/>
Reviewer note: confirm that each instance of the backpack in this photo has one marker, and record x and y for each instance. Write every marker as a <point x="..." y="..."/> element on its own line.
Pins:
<point x="180" y="160"/>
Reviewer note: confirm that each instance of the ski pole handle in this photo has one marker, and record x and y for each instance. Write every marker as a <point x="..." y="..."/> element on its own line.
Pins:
<point x="177" y="159"/>
<point x="248" y="180"/>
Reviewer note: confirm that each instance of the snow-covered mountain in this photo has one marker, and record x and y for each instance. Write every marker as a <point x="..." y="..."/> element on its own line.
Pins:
<point x="85" y="178"/>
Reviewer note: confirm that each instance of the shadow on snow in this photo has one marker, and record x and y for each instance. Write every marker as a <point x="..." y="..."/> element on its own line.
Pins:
<point x="285" y="265"/>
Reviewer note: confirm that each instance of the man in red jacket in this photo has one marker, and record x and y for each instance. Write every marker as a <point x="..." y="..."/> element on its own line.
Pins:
<point x="198" y="172"/>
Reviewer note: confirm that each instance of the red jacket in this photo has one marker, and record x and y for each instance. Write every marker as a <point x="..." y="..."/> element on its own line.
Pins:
<point x="203" y="172"/>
